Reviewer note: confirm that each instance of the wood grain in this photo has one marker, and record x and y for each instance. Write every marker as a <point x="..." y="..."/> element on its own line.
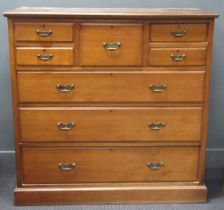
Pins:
<point x="109" y="164"/>
<point x="194" y="32"/>
<point x="110" y="124"/>
<point x="110" y="12"/>
<point x="111" y="87"/>
<point x="111" y="194"/>
<point x="62" y="56"/>
<point x="28" y="32"/>
<point x="161" y="56"/>
<point x="111" y="103"/>
<point x="92" y="37"/>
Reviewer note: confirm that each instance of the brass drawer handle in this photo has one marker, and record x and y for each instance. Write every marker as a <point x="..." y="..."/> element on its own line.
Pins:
<point x="65" y="88"/>
<point x="44" y="33"/>
<point x="157" y="126"/>
<point x="45" y="57"/>
<point x="66" y="126"/>
<point x="155" y="165"/>
<point x="158" y="88"/>
<point x="178" y="33"/>
<point x="111" y="46"/>
<point x="66" y="166"/>
<point x="178" y="58"/>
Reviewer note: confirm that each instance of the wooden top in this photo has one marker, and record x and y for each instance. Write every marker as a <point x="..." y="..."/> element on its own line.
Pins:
<point x="109" y="12"/>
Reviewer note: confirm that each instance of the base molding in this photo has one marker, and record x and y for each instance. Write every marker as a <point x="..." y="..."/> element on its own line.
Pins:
<point x="110" y="194"/>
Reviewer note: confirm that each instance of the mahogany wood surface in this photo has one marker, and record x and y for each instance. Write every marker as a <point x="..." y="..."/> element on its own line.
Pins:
<point x="193" y="56"/>
<point x="28" y="32"/>
<point x="92" y="37"/>
<point x="111" y="87"/>
<point x="109" y="164"/>
<point x="111" y="102"/>
<point x="194" y="32"/>
<point x="60" y="56"/>
<point x="110" y="12"/>
<point x="110" y="124"/>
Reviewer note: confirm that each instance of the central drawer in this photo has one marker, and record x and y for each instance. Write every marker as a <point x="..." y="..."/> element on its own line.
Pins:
<point x="110" y="124"/>
<point x="126" y="164"/>
<point x="111" y="44"/>
<point x="111" y="87"/>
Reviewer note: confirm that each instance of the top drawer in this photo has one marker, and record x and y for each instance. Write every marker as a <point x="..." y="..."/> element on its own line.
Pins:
<point x="44" y="32"/>
<point x="178" y="32"/>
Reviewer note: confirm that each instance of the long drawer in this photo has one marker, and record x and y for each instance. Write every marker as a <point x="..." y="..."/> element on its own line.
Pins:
<point x="126" y="164"/>
<point x="112" y="87"/>
<point x="110" y="124"/>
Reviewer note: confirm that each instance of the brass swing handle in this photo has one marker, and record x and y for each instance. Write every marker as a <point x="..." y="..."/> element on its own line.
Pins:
<point x="66" y="166"/>
<point x="178" y="58"/>
<point x="66" y="126"/>
<point x="155" y="165"/>
<point x="157" y="126"/>
<point x="111" y="46"/>
<point x="158" y="88"/>
<point x="65" y="88"/>
<point x="178" y="33"/>
<point x="45" y="57"/>
<point x="44" y="33"/>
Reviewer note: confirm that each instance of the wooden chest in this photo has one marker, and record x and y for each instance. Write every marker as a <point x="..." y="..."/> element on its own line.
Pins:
<point x="110" y="105"/>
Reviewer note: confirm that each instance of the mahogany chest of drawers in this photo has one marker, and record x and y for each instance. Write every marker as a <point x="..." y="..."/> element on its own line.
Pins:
<point x="110" y="105"/>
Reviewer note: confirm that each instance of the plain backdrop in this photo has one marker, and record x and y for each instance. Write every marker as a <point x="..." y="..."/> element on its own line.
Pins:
<point x="215" y="146"/>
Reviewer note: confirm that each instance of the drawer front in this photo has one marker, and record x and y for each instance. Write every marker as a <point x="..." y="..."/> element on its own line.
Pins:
<point x="111" y="44"/>
<point x="178" y="57"/>
<point x="126" y="164"/>
<point x="111" y="87"/>
<point x="50" y="32"/>
<point x="179" y="32"/>
<point x="110" y="124"/>
<point x="44" y="56"/>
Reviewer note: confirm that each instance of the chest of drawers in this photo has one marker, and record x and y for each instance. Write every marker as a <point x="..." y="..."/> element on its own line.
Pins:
<point x="110" y="105"/>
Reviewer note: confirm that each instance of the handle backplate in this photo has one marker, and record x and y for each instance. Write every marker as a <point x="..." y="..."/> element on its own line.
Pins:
<point x="178" y="34"/>
<point x="111" y="46"/>
<point x="42" y="33"/>
<point x="157" y="126"/>
<point x="155" y="165"/>
<point x="177" y="58"/>
<point x="65" y="88"/>
<point x="66" y="166"/>
<point x="157" y="88"/>
<point x="66" y="125"/>
<point x="45" y="57"/>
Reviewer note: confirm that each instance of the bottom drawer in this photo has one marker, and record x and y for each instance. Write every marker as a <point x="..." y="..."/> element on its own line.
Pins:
<point x="109" y="164"/>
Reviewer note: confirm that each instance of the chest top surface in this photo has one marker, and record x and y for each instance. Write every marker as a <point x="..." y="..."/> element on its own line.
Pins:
<point x="110" y="12"/>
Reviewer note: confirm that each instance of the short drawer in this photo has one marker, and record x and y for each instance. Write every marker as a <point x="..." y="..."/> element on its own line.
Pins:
<point x="44" y="56"/>
<point x="111" y="44"/>
<point x="111" y="87"/>
<point x="177" y="57"/>
<point x="178" y="32"/>
<point x="110" y="124"/>
<point x="114" y="164"/>
<point x="50" y="32"/>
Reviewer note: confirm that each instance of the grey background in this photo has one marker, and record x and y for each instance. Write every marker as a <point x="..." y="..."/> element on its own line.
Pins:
<point x="215" y="148"/>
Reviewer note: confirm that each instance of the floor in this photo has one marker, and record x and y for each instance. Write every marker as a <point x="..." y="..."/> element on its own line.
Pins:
<point x="214" y="184"/>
